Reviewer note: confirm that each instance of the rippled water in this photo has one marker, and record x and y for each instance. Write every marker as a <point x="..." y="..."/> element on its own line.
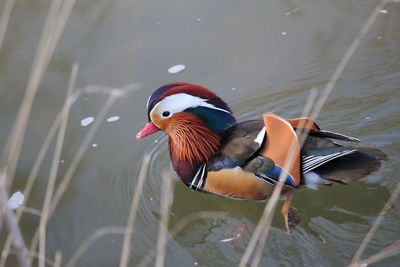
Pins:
<point x="237" y="49"/>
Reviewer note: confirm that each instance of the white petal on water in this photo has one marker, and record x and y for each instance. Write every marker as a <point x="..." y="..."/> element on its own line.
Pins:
<point x="113" y="118"/>
<point x="94" y="145"/>
<point x="176" y="68"/>
<point x="86" y="121"/>
<point x="383" y="11"/>
<point x="16" y="200"/>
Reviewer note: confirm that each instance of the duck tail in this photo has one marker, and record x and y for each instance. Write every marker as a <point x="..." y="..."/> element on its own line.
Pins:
<point x="353" y="166"/>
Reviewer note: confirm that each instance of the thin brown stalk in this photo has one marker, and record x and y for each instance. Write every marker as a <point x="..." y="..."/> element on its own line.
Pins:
<point x="335" y="76"/>
<point x="55" y="22"/>
<point x="57" y="259"/>
<point x="113" y="95"/>
<point x="265" y="224"/>
<point x="12" y="224"/>
<point x="387" y="252"/>
<point x="42" y="153"/>
<point x="347" y="56"/>
<point x="5" y="18"/>
<point x="99" y="233"/>
<point x="54" y="168"/>
<point x="165" y="208"/>
<point x="133" y="211"/>
<point x="376" y="224"/>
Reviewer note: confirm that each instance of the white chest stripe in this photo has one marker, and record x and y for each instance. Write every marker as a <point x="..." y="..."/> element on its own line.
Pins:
<point x="200" y="174"/>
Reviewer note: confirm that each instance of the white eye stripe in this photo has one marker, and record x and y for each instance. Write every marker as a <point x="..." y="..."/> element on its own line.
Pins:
<point x="180" y="102"/>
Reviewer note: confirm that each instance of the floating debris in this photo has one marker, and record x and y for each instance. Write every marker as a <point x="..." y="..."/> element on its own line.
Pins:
<point x="113" y="119"/>
<point x="234" y="235"/>
<point x="87" y="121"/>
<point x="284" y="33"/>
<point x="94" y="145"/>
<point x="16" y="200"/>
<point x="322" y="238"/>
<point x="199" y="19"/>
<point x="383" y="11"/>
<point x="176" y="68"/>
<point x="367" y="118"/>
<point x="233" y="88"/>
<point x="62" y="161"/>
<point x="379" y="37"/>
<point x="230" y="239"/>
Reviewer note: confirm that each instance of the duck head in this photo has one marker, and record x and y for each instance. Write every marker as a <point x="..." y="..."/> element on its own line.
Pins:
<point x="194" y="119"/>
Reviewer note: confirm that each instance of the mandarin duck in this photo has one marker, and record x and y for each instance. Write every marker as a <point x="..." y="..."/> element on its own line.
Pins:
<point x="213" y="153"/>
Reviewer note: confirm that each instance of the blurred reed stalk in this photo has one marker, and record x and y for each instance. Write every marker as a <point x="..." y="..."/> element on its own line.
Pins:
<point x="5" y="18"/>
<point x="54" y="168"/>
<point x="55" y="22"/>
<point x="41" y="155"/>
<point x="387" y="252"/>
<point x="356" y="259"/>
<point x="58" y="14"/>
<point x="12" y="224"/>
<point x="265" y="225"/>
<point x="133" y="211"/>
<point x="97" y="234"/>
<point x="165" y="209"/>
<point x="114" y="94"/>
<point x="266" y="218"/>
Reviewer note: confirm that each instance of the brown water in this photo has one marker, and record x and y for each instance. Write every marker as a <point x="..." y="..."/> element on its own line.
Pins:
<point x="271" y="53"/>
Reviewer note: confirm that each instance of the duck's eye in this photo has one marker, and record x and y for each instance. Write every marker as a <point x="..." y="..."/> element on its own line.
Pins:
<point x="166" y="114"/>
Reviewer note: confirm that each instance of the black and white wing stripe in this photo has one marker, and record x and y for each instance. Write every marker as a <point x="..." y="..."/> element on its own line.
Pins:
<point x="199" y="178"/>
<point x="311" y="162"/>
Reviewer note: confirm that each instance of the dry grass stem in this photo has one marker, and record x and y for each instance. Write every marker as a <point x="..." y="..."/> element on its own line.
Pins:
<point x="346" y="58"/>
<point x="12" y="224"/>
<point x="57" y="259"/>
<point x="165" y="208"/>
<point x="265" y="220"/>
<point x="99" y="233"/>
<point x="133" y="211"/>
<point x="43" y="151"/>
<point x="5" y="18"/>
<point x="54" y="168"/>
<point x="387" y="252"/>
<point x="113" y="95"/>
<point x="55" y="22"/>
<point x="30" y="182"/>
<point x="376" y="224"/>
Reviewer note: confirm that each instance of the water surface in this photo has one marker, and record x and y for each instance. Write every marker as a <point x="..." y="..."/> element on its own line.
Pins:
<point x="257" y="55"/>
